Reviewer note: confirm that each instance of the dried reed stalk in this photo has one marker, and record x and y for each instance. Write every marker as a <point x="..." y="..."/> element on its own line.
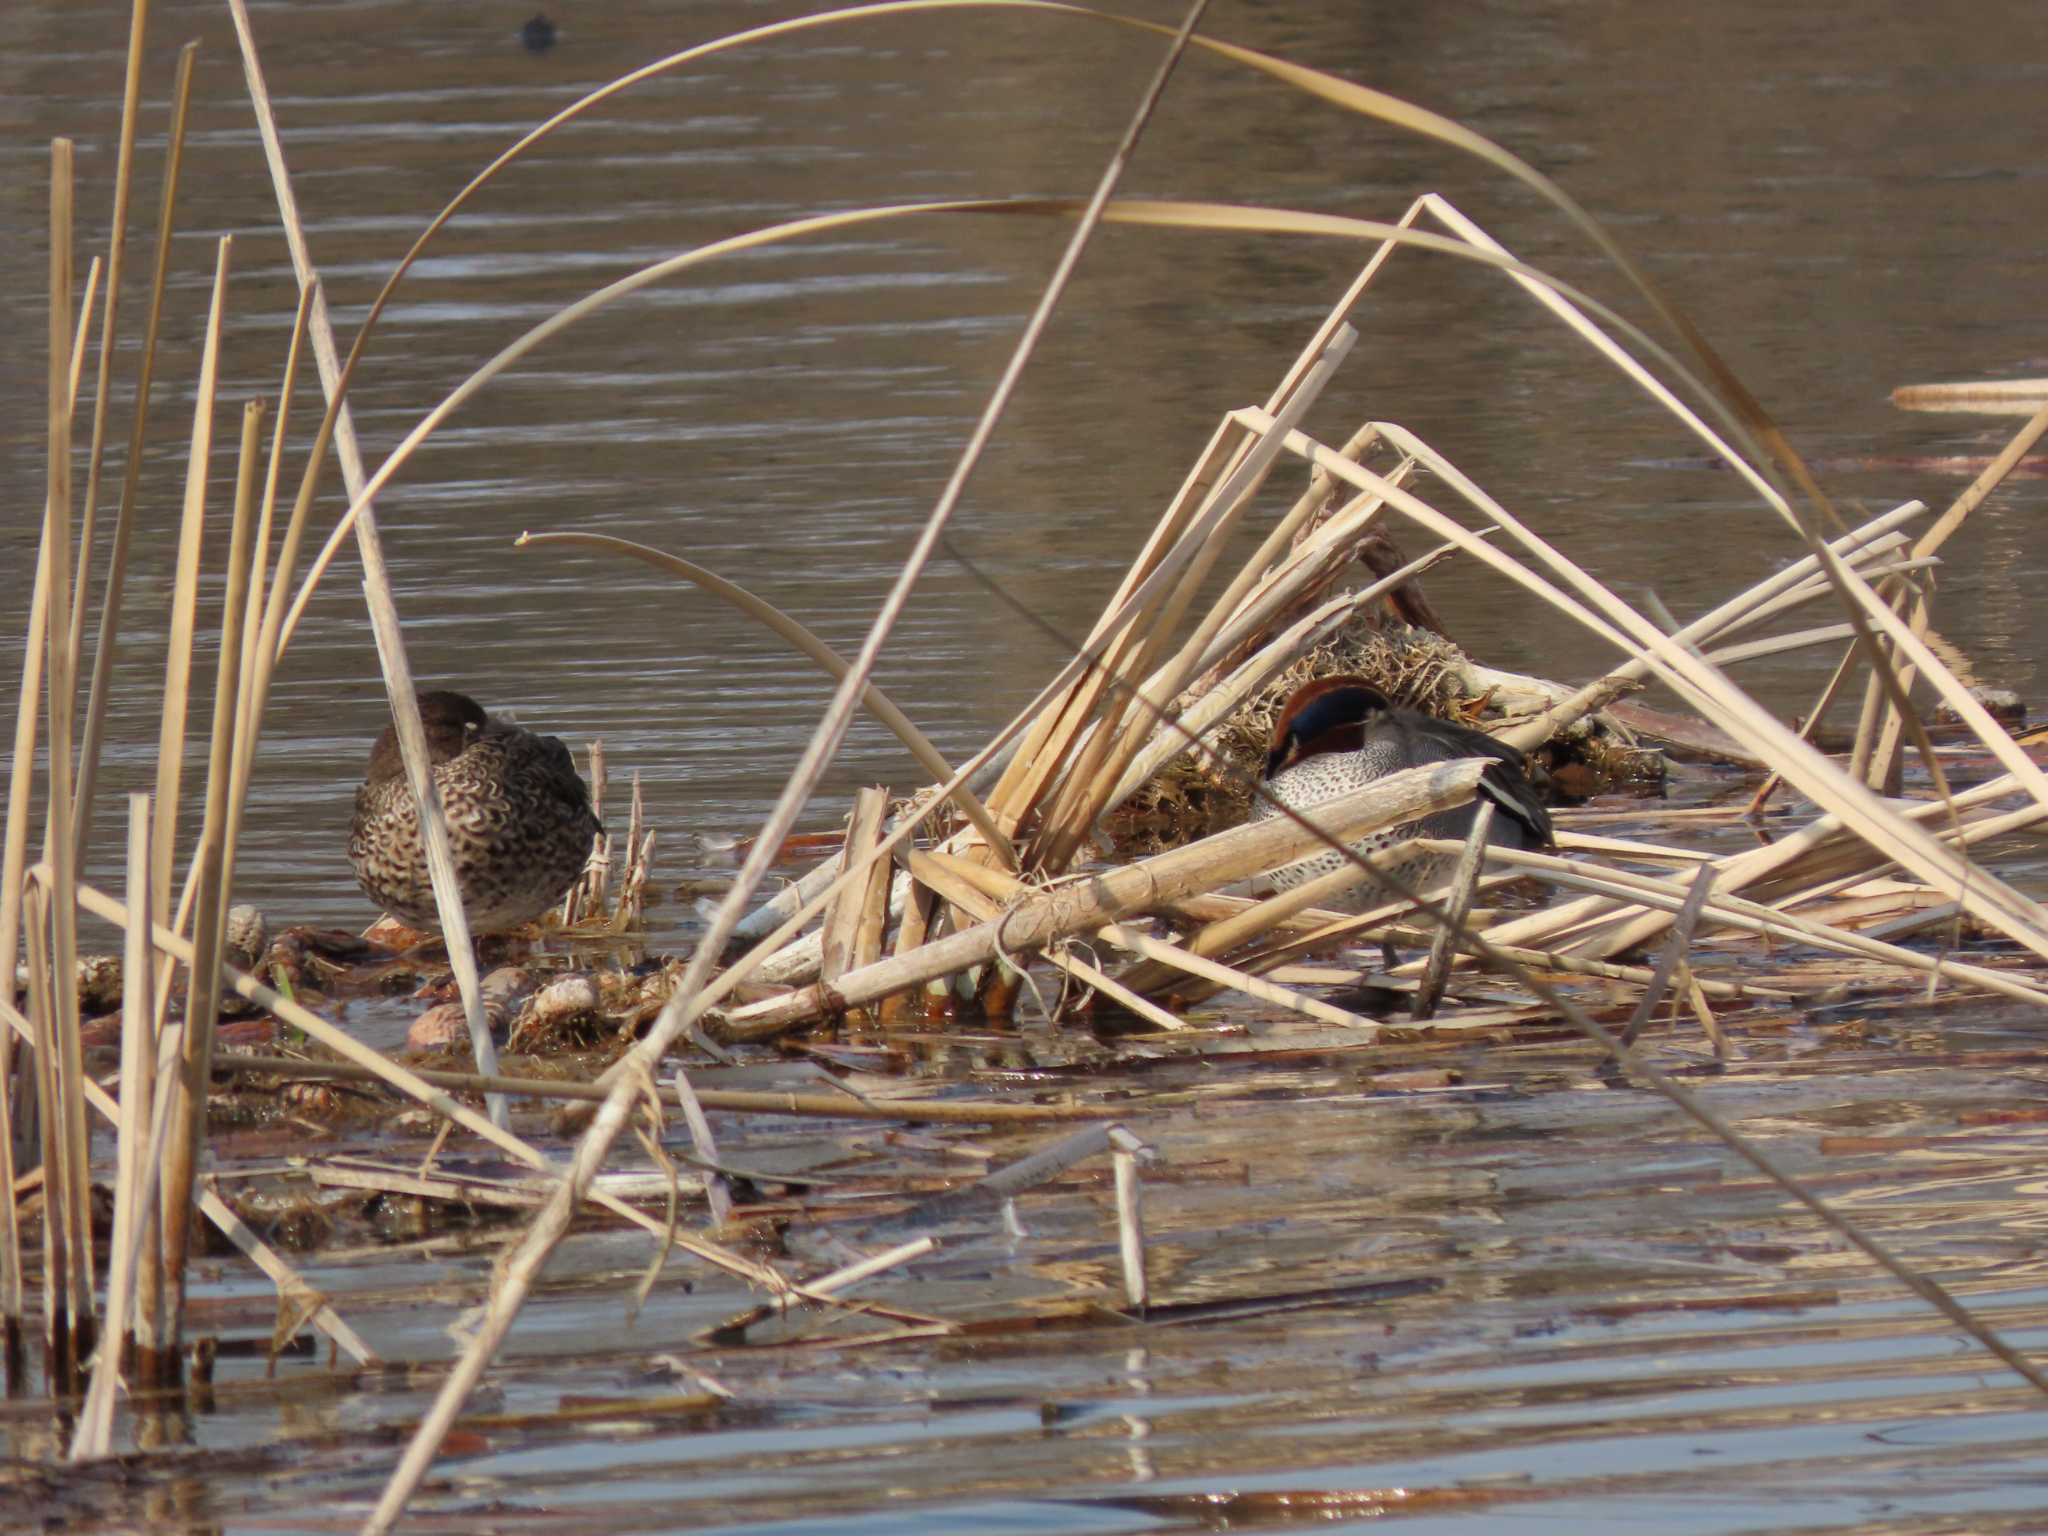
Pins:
<point x="94" y="1436"/>
<point x="639" y="856"/>
<point x="398" y="684"/>
<point x="34" y="650"/>
<point x="980" y="892"/>
<point x="117" y="240"/>
<point x="1673" y="956"/>
<point x="1129" y="715"/>
<point x="877" y="703"/>
<point x="1751" y="917"/>
<point x="170" y="766"/>
<point x="522" y="1266"/>
<point x="1723" y="704"/>
<point x="913" y="927"/>
<point x="131" y="476"/>
<point x="61" y="1299"/>
<point x="1125" y="1152"/>
<point x="68" y="1178"/>
<point x="843" y="919"/>
<point x="1436" y="969"/>
<point x="214" y="861"/>
<point x="255" y="662"/>
<point x="297" y="1300"/>
<point x="1062" y="910"/>
<point x="1885" y="756"/>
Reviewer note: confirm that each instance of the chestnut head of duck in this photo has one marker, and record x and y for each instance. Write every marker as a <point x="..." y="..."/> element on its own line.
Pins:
<point x="1337" y="733"/>
<point x="1330" y="714"/>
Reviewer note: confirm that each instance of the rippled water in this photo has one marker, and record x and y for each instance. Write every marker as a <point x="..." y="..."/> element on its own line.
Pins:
<point x="1839" y="198"/>
<point x="1846" y="198"/>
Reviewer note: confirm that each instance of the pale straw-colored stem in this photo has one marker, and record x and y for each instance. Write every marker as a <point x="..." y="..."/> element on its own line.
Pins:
<point x="522" y="1266"/>
<point x="132" y="1172"/>
<point x="398" y="683"/>
<point x="117" y="241"/>
<point x="215" y="864"/>
<point x="1062" y="910"/>
<point x="131" y="475"/>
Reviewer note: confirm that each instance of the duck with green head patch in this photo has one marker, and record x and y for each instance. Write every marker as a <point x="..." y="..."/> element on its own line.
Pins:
<point x="1338" y="734"/>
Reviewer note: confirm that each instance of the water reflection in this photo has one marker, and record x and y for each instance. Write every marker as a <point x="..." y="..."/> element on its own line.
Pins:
<point x="786" y="416"/>
<point x="1810" y="187"/>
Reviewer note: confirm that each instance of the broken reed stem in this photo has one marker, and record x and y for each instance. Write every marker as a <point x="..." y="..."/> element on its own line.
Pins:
<point x="58" y="1342"/>
<point x="338" y="425"/>
<point x="131" y="475"/>
<point x="1675" y="946"/>
<point x="1938" y="533"/>
<point x="215" y="864"/>
<point x="1119" y="893"/>
<point x="68" y="1192"/>
<point x="736" y="1101"/>
<point x="339" y="1041"/>
<point x="631" y="913"/>
<point x="257" y="662"/>
<point x="185" y="598"/>
<point x="296" y="1299"/>
<point x="1457" y="907"/>
<point x="913" y="927"/>
<point x="1752" y="917"/>
<point x="1641" y="975"/>
<point x="1125" y="1150"/>
<point x="35" y="649"/>
<point x="522" y="1267"/>
<point x="585" y="898"/>
<point x="94" y="1436"/>
<point x="843" y="919"/>
<point x="1870" y="720"/>
<point x="873" y="908"/>
<point x="117" y="241"/>
<point x="1131" y="715"/>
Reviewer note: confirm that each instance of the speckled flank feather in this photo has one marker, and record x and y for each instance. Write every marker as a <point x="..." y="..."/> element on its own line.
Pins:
<point x="519" y="820"/>
<point x="1318" y="762"/>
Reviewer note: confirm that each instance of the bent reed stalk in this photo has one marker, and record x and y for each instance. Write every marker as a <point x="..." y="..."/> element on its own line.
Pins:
<point x="1115" y="710"/>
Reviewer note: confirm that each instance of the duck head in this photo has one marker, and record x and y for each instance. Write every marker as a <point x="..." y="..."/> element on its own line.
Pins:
<point x="452" y="721"/>
<point x="1327" y="715"/>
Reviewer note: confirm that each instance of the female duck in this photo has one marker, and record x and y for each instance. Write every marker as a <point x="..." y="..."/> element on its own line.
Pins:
<point x="1338" y="734"/>
<point x="519" y="819"/>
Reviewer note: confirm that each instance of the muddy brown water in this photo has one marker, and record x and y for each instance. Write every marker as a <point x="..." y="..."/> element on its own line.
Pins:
<point x="1585" y="1314"/>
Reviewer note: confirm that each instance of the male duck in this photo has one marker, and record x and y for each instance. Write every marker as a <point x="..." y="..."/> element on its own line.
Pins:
<point x="1338" y="734"/>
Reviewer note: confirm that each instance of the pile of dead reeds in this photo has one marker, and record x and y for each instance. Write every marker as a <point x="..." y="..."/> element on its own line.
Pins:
<point x="897" y="917"/>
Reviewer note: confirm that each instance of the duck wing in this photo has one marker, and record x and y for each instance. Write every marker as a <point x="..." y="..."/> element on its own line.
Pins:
<point x="1505" y="780"/>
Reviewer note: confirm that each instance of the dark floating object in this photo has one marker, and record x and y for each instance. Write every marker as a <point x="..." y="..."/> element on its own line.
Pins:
<point x="1338" y="734"/>
<point x="538" y="34"/>
<point x="519" y="819"/>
